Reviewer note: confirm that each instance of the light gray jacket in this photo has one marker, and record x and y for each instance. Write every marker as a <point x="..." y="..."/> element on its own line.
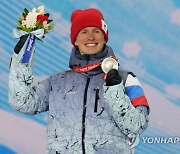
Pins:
<point x="85" y="116"/>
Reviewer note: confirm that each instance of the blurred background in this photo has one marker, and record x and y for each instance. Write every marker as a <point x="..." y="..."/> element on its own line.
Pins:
<point x="144" y="34"/>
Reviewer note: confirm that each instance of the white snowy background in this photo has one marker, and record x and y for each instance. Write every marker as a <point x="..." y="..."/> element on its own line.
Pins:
<point x="144" y="34"/>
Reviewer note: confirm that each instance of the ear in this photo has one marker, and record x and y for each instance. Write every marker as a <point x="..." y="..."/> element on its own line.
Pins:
<point x="104" y="41"/>
<point x="76" y="43"/>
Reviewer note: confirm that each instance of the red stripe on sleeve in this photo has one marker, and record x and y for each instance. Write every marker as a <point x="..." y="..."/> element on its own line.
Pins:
<point x="140" y="101"/>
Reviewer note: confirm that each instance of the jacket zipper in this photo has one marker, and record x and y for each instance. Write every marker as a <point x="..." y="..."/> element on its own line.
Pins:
<point x="96" y="100"/>
<point x="84" y="116"/>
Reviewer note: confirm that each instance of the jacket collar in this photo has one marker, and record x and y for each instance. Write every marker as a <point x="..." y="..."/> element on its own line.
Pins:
<point x="76" y="59"/>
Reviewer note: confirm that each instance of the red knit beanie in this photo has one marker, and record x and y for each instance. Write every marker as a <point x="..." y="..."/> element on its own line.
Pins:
<point x="87" y="18"/>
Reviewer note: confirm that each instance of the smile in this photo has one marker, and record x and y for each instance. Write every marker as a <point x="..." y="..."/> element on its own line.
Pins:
<point x="91" y="44"/>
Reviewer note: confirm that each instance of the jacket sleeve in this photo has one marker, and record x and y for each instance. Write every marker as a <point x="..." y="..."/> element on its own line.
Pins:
<point x="132" y="120"/>
<point x="22" y="95"/>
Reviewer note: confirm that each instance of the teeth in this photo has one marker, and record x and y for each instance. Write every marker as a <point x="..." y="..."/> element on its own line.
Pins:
<point x="90" y="44"/>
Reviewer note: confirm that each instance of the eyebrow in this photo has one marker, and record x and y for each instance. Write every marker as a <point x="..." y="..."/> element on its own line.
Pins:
<point x="85" y="29"/>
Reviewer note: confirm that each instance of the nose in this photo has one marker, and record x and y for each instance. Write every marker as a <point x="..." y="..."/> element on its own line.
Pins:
<point x="90" y="36"/>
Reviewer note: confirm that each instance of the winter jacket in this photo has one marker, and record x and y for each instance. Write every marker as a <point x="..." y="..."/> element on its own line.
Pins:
<point x="84" y="115"/>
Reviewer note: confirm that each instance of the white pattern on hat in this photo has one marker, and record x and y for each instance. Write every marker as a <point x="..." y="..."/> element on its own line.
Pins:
<point x="104" y="26"/>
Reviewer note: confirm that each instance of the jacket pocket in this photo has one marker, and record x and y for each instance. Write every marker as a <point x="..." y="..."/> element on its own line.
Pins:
<point x="96" y="99"/>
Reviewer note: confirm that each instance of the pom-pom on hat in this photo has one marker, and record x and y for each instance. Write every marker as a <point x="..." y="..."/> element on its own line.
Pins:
<point x="87" y="18"/>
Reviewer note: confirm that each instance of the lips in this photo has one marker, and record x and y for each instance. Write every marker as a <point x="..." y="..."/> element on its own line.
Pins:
<point x="90" y="44"/>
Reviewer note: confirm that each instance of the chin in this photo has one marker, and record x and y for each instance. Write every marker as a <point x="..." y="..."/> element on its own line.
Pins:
<point x="92" y="53"/>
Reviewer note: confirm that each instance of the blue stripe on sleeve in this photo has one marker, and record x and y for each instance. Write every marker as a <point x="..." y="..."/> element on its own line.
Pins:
<point x="134" y="91"/>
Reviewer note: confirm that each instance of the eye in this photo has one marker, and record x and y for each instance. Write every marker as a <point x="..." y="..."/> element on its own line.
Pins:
<point x="97" y="31"/>
<point x="83" y="32"/>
